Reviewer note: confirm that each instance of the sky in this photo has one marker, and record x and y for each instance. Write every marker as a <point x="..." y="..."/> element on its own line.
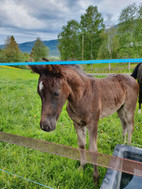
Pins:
<point x="28" y="19"/>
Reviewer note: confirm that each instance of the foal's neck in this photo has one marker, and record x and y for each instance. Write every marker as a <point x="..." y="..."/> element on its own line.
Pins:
<point x="78" y="83"/>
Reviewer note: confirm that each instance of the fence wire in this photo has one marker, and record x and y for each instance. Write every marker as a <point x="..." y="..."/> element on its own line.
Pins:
<point x="108" y="161"/>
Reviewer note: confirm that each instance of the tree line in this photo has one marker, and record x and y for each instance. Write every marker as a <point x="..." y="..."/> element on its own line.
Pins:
<point x="88" y="39"/>
<point x="91" y="39"/>
<point x="12" y="53"/>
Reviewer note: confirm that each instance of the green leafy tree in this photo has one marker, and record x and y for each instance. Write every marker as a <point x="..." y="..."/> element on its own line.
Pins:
<point x="91" y="26"/>
<point x="39" y="50"/>
<point x="26" y="56"/>
<point x="69" y="43"/>
<point x="110" y="42"/>
<point x="1" y="55"/>
<point x="110" y="45"/>
<point x="126" y="32"/>
<point x="138" y="33"/>
<point x="12" y="52"/>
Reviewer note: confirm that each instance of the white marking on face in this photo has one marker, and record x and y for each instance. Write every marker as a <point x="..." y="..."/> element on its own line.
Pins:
<point x="41" y="86"/>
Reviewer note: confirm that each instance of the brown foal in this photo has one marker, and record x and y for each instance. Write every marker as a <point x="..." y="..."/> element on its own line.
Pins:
<point x="89" y="99"/>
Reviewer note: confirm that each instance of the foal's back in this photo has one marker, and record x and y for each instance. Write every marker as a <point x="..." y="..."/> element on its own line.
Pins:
<point x="115" y="91"/>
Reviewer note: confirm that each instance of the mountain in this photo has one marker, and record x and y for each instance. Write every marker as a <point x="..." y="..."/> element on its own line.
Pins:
<point x="27" y="47"/>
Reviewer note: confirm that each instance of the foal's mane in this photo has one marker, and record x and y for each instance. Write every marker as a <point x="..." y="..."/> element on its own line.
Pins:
<point x="77" y="69"/>
<point x="57" y="70"/>
<point x="71" y="67"/>
<point x="74" y="67"/>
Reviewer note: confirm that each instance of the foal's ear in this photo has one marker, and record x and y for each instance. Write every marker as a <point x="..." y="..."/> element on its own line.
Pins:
<point x="39" y="69"/>
<point x="45" y="60"/>
<point x="56" y="70"/>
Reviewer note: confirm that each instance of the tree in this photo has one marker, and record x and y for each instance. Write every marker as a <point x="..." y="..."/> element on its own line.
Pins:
<point x="1" y="55"/>
<point x="69" y="44"/>
<point x="126" y="31"/>
<point x="110" y="45"/>
<point x="26" y="57"/>
<point x="12" y="52"/>
<point x="82" y="41"/>
<point x="39" y="50"/>
<point x="138" y="33"/>
<point x="91" y="26"/>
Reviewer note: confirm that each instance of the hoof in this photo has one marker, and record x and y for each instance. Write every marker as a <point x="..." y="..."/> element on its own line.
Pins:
<point x="81" y="168"/>
<point x="139" y="111"/>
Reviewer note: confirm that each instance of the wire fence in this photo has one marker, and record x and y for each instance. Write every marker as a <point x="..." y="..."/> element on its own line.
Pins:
<point x="128" y="60"/>
<point x="109" y="68"/>
<point x="95" y="67"/>
<point x="26" y="179"/>
<point x="95" y="158"/>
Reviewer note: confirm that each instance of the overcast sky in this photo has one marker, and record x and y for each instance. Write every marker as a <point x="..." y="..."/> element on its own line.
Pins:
<point x="28" y="19"/>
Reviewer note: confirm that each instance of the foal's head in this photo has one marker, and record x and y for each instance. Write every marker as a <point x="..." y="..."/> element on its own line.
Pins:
<point x="54" y="91"/>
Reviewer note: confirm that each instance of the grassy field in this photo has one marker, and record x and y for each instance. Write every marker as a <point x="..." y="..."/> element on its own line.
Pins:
<point x="114" y="68"/>
<point x="20" y="108"/>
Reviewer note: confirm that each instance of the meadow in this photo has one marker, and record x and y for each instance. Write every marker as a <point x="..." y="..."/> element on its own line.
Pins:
<point x="20" y="108"/>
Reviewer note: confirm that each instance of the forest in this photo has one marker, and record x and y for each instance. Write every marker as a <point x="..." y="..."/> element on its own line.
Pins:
<point x="91" y="38"/>
<point x="94" y="39"/>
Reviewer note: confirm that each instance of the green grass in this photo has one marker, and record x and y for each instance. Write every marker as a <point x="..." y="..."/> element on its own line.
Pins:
<point x="114" y="68"/>
<point x="20" y="108"/>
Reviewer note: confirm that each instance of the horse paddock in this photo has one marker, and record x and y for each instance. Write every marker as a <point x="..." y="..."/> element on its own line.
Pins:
<point x="20" y="114"/>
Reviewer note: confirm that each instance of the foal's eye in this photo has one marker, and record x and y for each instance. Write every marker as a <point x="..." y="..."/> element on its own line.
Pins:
<point x="56" y="93"/>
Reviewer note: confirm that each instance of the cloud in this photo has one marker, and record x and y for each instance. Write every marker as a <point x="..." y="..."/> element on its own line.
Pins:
<point x="114" y="7"/>
<point x="45" y="18"/>
<point x="15" y="15"/>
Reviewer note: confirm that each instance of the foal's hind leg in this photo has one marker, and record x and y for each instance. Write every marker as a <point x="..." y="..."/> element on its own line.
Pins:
<point x="81" y="134"/>
<point x="122" y="117"/>
<point x="127" y="119"/>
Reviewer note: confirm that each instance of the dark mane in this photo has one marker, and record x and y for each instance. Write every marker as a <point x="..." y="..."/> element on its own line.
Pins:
<point x="75" y="67"/>
<point x="78" y="69"/>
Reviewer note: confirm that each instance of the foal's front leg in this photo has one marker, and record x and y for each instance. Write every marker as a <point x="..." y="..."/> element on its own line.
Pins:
<point x="92" y="130"/>
<point x="81" y="134"/>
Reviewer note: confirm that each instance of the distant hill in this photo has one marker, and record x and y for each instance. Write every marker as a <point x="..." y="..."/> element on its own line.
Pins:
<point x="27" y="47"/>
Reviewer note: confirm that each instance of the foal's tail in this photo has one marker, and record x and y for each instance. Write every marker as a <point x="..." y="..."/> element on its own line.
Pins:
<point x="135" y="71"/>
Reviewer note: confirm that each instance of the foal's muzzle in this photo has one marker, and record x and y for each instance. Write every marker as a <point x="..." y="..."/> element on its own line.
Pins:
<point x="48" y="125"/>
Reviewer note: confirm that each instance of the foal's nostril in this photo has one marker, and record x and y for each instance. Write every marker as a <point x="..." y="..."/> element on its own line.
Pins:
<point x="47" y="129"/>
<point x="44" y="125"/>
<point x="48" y="124"/>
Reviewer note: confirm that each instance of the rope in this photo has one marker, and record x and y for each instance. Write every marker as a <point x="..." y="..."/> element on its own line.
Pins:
<point x="26" y="179"/>
<point x="74" y="62"/>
